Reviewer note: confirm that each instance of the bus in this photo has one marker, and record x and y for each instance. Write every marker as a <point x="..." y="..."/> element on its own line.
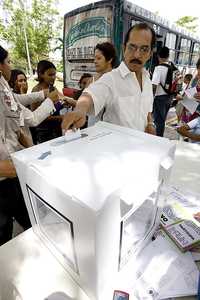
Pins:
<point x="109" y="20"/>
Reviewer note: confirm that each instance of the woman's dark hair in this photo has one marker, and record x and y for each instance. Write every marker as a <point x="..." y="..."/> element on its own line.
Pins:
<point x="13" y="77"/>
<point x="108" y="51"/>
<point x="43" y="66"/>
<point x="3" y="54"/>
<point x="141" y="26"/>
<point x="198" y="63"/>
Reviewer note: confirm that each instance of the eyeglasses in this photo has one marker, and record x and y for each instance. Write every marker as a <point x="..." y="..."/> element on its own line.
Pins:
<point x="142" y="49"/>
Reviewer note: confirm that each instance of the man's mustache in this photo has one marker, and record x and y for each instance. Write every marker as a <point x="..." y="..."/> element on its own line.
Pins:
<point x="136" y="61"/>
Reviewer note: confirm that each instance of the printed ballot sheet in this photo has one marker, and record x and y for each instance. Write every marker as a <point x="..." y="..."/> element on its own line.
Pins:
<point x="165" y="271"/>
<point x="190" y="104"/>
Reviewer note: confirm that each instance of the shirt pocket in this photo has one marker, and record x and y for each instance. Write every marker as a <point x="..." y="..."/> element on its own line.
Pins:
<point x="128" y="109"/>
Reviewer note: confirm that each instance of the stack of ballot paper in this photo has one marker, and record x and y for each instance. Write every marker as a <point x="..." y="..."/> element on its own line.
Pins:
<point x="178" y="219"/>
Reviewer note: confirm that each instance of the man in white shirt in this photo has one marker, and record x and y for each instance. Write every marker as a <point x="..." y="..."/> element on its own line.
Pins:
<point x="125" y="92"/>
<point x="162" y="99"/>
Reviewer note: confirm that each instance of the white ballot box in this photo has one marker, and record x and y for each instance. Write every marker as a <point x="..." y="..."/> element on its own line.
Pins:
<point x="95" y="200"/>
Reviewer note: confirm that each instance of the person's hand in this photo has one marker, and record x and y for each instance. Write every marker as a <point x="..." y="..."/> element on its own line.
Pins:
<point x="7" y="169"/>
<point x="150" y="128"/>
<point x="74" y="119"/>
<point x="23" y="88"/>
<point x="69" y="102"/>
<point x="24" y="139"/>
<point x="197" y="96"/>
<point x="183" y="130"/>
<point x="179" y="97"/>
<point x="53" y="96"/>
<point x="197" y="216"/>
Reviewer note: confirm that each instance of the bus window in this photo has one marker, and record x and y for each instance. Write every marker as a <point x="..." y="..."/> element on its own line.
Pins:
<point x="170" y="42"/>
<point x="195" y="54"/>
<point x="184" y="54"/>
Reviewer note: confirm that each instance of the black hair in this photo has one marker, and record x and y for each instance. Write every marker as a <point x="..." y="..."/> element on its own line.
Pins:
<point x="198" y="63"/>
<point x="3" y="54"/>
<point x="85" y="75"/>
<point x="108" y="51"/>
<point x="13" y="77"/>
<point x="163" y="52"/>
<point x="188" y="77"/>
<point x="141" y="26"/>
<point x="43" y="66"/>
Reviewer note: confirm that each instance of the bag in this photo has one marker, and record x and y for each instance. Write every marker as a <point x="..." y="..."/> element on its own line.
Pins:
<point x="170" y="82"/>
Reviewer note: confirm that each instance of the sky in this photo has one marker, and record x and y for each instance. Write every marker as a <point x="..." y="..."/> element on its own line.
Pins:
<point x="170" y="9"/>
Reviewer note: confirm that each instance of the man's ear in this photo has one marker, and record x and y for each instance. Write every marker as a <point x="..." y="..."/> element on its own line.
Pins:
<point x="151" y="53"/>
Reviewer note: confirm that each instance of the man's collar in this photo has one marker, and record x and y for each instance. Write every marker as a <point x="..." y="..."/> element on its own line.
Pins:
<point x="124" y="70"/>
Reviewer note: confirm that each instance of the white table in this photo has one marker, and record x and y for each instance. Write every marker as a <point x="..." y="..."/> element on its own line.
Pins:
<point x="28" y="271"/>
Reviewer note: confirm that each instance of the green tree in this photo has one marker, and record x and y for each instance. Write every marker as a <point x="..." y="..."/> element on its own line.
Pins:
<point x="188" y="22"/>
<point x="40" y="20"/>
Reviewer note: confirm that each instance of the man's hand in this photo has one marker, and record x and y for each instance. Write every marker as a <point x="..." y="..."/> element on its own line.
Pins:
<point x="24" y="139"/>
<point x="7" y="169"/>
<point x="69" y="102"/>
<point x="150" y="128"/>
<point x="183" y="130"/>
<point x="179" y="97"/>
<point x="74" y="119"/>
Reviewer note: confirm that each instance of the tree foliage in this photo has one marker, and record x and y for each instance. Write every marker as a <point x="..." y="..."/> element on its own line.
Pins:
<point x="40" y="20"/>
<point x="188" y="22"/>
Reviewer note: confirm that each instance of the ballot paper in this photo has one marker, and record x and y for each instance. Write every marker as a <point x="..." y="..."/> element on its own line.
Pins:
<point x="165" y="271"/>
<point x="191" y="92"/>
<point x="190" y="104"/>
<point x="178" y="219"/>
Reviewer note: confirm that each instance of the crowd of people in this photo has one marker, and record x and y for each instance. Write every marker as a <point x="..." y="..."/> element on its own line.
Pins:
<point x="120" y="94"/>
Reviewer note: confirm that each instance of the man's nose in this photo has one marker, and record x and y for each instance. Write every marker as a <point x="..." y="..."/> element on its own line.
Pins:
<point x="137" y="52"/>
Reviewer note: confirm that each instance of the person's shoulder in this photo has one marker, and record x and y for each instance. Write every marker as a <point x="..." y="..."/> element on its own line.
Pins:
<point x="36" y="88"/>
<point x="162" y="67"/>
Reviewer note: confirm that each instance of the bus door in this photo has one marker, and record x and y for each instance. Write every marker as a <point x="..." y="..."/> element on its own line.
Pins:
<point x="83" y="29"/>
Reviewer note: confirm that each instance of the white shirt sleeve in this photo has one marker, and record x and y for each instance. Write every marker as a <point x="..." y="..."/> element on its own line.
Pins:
<point x="156" y="76"/>
<point x="27" y="99"/>
<point x="194" y="123"/>
<point x="34" y="118"/>
<point x="100" y="92"/>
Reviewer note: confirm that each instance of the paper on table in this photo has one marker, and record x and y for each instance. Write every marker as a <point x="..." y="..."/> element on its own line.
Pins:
<point x="187" y="199"/>
<point x="163" y="265"/>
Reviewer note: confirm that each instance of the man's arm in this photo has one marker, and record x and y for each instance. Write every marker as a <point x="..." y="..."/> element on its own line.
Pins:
<point x="7" y="169"/>
<point x="77" y="118"/>
<point x="185" y="131"/>
<point x="154" y="89"/>
<point x="150" y="128"/>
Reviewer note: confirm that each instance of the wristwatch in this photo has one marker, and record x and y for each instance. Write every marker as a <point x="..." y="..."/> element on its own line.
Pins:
<point x="151" y="124"/>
